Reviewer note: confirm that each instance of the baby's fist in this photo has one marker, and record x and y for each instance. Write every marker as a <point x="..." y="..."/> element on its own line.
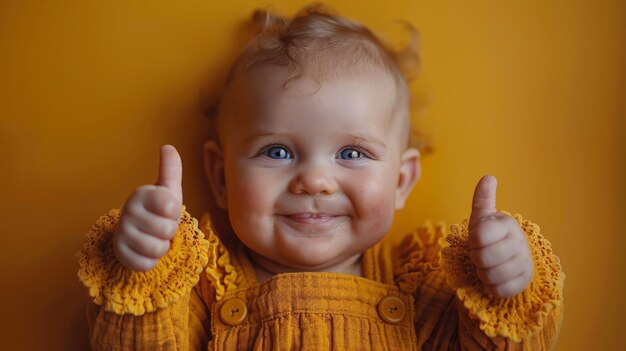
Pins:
<point x="150" y="216"/>
<point x="499" y="248"/>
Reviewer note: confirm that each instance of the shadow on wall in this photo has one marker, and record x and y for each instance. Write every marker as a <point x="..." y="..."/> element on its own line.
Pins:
<point x="77" y="336"/>
<point x="70" y="304"/>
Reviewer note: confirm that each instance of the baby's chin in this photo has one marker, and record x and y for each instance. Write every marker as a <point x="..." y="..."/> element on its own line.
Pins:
<point x="321" y="258"/>
<point x="309" y="258"/>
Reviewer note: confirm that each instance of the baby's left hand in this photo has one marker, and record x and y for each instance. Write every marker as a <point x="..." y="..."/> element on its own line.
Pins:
<point x="499" y="248"/>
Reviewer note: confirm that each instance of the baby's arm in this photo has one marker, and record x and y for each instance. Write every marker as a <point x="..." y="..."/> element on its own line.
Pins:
<point x="150" y="216"/>
<point x="509" y="292"/>
<point x="499" y="249"/>
<point x="141" y="266"/>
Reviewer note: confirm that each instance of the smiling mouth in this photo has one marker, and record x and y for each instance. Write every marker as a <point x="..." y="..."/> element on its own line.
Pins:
<point x="310" y="218"/>
<point x="313" y="224"/>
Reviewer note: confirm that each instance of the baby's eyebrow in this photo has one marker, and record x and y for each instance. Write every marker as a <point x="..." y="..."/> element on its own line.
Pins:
<point x="354" y="138"/>
<point x="261" y="134"/>
<point x="366" y="138"/>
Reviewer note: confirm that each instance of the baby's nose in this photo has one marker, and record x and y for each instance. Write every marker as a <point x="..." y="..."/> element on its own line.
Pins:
<point x="313" y="181"/>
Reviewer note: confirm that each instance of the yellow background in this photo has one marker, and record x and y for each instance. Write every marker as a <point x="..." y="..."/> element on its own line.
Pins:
<point x="531" y="92"/>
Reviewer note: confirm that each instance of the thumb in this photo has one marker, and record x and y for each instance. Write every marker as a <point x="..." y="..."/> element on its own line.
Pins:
<point x="484" y="201"/>
<point x="171" y="171"/>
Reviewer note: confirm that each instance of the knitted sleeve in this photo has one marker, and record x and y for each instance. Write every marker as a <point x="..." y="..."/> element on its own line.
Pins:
<point x="158" y="309"/>
<point x="527" y="321"/>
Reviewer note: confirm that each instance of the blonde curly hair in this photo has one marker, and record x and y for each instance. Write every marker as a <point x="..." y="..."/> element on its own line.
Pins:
<point x="318" y="44"/>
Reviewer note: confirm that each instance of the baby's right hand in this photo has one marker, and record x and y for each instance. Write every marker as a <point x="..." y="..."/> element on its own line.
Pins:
<point x="150" y="217"/>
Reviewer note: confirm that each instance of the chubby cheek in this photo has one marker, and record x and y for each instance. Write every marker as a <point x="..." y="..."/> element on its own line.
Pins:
<point x="374" y="203"/>
<point x="250" y="202"/>
<point x="251" y="198"/>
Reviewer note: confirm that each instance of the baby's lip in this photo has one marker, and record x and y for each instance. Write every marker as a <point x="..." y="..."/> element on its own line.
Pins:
<point x="310" y="217"/>
<point x="312" y="224"/>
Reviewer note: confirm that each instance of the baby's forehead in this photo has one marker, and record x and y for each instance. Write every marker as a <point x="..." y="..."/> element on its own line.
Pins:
<point x="277" y="80"/>
<point x="269" y="86"/>
<point x="269" y="97"/>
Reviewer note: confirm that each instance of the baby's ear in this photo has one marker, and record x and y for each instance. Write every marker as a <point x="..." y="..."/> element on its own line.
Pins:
<point x="410" y="171"/>
<point x="214" y="169"/>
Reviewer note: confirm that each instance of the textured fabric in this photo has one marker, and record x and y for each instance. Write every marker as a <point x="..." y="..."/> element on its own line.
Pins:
<point x="316" y="311"/>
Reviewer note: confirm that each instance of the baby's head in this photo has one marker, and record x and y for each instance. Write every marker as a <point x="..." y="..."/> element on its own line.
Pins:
<point x="312" y="157"/>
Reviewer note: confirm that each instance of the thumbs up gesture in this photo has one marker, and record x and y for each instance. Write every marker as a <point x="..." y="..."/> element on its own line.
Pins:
<point x="499" y="248"/>
<point x="150" y="216"/>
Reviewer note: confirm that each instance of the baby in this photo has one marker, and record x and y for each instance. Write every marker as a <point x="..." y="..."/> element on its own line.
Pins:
<point x="311" y="160"/>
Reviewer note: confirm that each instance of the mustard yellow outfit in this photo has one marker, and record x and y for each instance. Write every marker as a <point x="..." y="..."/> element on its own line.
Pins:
<point x="421" y="295"/>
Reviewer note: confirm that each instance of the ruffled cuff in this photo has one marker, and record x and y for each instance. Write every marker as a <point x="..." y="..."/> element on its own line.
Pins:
<point x="220" y="272"/>
<point x="517" y="317"/>
<point x="124" y="291"/>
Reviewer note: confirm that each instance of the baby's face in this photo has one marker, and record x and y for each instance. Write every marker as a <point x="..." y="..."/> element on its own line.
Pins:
<point x="314" y="178"/>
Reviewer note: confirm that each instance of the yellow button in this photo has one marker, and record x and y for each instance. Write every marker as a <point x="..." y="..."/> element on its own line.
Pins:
<point x="391" y="309"/>
<point x="233" y="311"/>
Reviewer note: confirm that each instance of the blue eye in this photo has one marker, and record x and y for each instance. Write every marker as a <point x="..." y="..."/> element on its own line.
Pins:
<point x="277" y="152"/>
<point x="350" y="154"/>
